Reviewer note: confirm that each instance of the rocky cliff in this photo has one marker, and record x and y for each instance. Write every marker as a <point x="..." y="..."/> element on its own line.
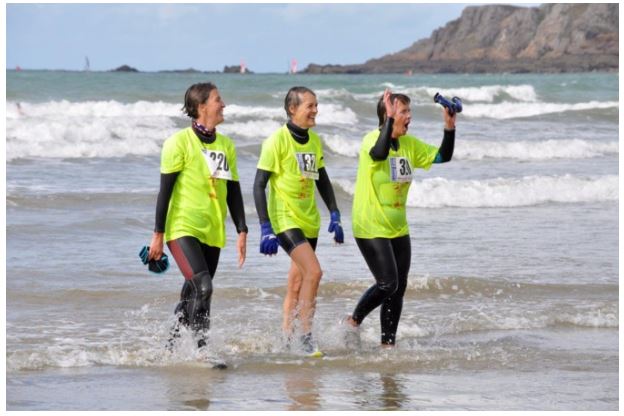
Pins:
<point x="496" y="38"/>
<point x="125" y="68"/>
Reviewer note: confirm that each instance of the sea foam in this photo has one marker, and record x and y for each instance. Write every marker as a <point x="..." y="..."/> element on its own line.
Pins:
<point x="488" y="93"/>
<point x="485" y="94"/>
<point x="522" y="150"/>
<point x="114" y="129"/>
<point x="71" y="137"/>
<point x="510" y="110"/>
<point x="531" y="150"/>
<point x="64" y="129"/>
<point x="95" y="109"/>
<point x="506" y="192"/>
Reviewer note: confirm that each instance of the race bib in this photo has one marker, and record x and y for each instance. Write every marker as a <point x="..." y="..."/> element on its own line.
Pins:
<point x="217" y="164"/>
<point x="307" y="165"/>
<point x="400" y="169"/>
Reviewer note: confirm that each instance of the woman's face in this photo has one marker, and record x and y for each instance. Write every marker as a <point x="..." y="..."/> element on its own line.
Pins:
<point x="402" y="118"/>
<point x="211" y="112"/>
<point x="304" y="115"/>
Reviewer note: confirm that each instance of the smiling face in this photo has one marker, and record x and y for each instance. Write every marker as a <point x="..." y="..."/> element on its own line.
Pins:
<point x="304" y="115"/>
<point x="211" y="111"/>
<point x="402" y="118"/>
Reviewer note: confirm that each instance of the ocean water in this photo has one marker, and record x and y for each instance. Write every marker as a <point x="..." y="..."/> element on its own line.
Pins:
<point x="513" y="295"/>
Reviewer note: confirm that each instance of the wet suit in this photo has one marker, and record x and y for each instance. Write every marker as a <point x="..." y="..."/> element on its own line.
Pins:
<point x="387" y="252"/>
<point x="291" y="238"/>
<point x="197" y="260"/>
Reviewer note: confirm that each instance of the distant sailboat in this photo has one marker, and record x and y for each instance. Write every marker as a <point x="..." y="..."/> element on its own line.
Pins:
<point x="293" y="66"/>
<point x="87" y="66"/>
<point x="243" y="67"/>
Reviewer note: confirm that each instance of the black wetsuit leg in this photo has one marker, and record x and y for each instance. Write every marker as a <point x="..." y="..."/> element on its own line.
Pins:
<point x="389" y="261"/>
<point x="392" y="307"/>
<point x="198" y="263"/>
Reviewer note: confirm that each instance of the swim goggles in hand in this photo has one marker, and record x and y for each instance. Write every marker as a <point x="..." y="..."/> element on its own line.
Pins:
<point x="155" y="266"/>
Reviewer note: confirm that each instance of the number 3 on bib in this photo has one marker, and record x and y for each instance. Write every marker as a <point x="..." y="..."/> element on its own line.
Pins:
<point x="307" y="165"/>
<point x="400" y="169"/>
<point x="217" y="164"/>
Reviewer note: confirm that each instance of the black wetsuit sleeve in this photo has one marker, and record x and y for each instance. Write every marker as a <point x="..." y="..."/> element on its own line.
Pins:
<point x="235" y="205"/>
<point x="259" y="187"/>
<point x="381" y="149"/>
<point x="448" y="145"/>
<point x="167" y="181"/>
<point x="326" y="190"/>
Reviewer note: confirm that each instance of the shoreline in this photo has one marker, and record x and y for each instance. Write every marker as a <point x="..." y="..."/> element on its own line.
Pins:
<point x="183" y="72"/>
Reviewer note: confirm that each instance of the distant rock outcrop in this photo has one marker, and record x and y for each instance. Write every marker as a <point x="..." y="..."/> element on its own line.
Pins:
<point x="235" y="69"/>
<point x="125" y="68"/>
<point x="496" y="38"/>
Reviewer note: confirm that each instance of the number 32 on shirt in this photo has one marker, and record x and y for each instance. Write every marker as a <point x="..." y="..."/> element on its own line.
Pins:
<point x="307" y="165"/>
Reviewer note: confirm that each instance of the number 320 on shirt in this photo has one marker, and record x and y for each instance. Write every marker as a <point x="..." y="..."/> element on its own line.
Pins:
<point x="217" y="164"/>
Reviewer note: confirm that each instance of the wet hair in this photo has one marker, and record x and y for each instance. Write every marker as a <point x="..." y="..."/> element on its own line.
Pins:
<point x="381" y="107"/>
<point x="195" y="95"/>
<point x="293" y="97"/>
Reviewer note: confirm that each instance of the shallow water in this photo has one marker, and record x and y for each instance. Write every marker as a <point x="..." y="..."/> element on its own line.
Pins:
<point x="512" y="301"/>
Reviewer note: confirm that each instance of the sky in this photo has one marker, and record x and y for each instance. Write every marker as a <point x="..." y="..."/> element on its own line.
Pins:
<point x="206" y="37"/>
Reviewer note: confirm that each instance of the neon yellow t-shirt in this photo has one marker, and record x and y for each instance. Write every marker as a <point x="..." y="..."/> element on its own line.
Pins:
<point x="294" y="168"/>
<point x="198" y="204"/>
<point x="382" y="186"/>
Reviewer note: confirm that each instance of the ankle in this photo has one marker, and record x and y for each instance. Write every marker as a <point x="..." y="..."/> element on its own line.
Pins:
<point x="351" y="321"/>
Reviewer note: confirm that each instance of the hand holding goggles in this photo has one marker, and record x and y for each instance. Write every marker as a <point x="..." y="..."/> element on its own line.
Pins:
<point x="453" y="106"/>
<point x="155" y="266"/>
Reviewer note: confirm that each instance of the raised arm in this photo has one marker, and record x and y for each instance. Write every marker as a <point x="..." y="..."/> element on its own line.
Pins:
<point x="445" y="153"/>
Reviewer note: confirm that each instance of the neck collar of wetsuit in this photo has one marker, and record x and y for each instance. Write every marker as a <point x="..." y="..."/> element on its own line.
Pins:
<point x="205" y="135"/>
<point x="299" y="134"/>
<point x="394" y="143"/>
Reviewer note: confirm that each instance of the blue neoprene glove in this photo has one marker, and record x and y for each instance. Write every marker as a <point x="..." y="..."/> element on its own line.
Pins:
<point x="335" y="227"/>
<point x="268" y="240"/>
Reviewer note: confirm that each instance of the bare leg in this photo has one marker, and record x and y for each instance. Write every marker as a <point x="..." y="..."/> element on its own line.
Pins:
<point x="305" y="260"/>
<point x="291" y="299"/>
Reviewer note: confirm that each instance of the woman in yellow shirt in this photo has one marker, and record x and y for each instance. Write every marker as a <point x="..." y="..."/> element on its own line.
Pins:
<point x="198" y="183"/>
<point x="387" y="157"/>
<point x="291" y="162"/>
